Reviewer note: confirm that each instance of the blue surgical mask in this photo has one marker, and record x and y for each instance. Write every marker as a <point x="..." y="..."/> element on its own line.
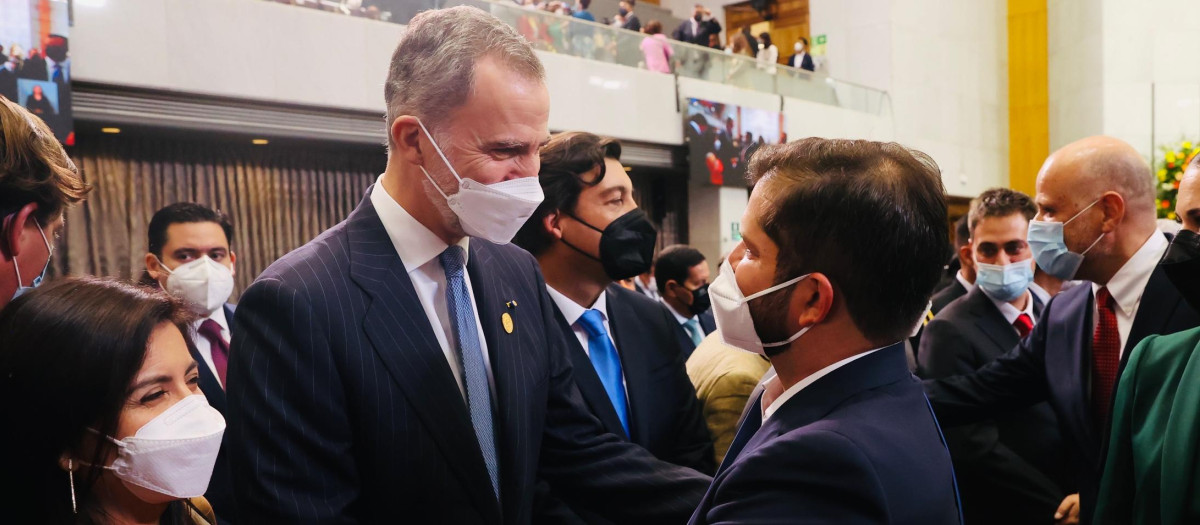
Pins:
<point x="37" y="281"/>
<point x="1004" y="282"/>
<point x="1050" y="250"/>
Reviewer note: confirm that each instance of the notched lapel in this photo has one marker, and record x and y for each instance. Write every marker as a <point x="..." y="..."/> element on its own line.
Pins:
<point x="400" y="334"/>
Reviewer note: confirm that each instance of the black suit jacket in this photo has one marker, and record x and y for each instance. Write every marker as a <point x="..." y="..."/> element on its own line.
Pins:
<point x="936" y="303"/>
<point x="1011" y="469"/>
<point x="343" y="408"/>
<point x="859" y="445"/>
<point x="1054" y="364"/>
<point x="664" y="415"/>
<point x="220" y="486"/>
<point x="684" y="340"/>
<point x="806" y="63"/>
<point x="632" y="23"/>
<point x="699" y="35"/>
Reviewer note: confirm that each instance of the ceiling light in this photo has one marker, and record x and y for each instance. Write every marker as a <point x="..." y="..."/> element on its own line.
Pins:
<point x="110" y="130"/>
<point x="259" y="142"/>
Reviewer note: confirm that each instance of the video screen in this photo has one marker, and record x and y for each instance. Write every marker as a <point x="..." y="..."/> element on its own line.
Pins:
<point x="35" y="61"/>
<point x="722" y="138"/>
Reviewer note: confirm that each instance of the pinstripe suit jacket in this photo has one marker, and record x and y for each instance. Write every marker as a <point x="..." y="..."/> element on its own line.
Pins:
<point x="343" y="408"/>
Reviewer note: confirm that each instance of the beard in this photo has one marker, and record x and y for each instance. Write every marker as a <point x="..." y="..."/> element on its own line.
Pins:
<point x="770" y="316"/>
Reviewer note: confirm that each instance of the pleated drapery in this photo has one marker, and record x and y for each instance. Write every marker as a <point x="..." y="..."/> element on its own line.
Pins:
<point x="277" y="196"/>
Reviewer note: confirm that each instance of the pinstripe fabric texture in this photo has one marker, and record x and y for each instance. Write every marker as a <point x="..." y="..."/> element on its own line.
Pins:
<point x="343" y="408"/>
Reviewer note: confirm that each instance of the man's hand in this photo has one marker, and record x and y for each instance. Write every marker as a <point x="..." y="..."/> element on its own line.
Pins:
<point x="1068" y="511"/>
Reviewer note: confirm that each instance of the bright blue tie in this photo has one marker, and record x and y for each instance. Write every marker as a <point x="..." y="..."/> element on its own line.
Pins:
<point x="607" y="363"/>
<point x="693" y="329"/>
<point x="470" y="353"/>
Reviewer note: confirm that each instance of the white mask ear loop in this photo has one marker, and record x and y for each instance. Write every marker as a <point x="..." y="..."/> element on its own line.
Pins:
<point x="438" y="149"/>
<point x="777" y="287"/>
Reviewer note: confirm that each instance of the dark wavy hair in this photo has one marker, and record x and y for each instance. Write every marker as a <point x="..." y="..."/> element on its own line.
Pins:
<point x="69" y="350"/>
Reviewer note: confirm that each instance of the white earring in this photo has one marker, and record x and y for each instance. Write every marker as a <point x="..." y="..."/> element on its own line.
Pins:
<point x="71" y="477"/>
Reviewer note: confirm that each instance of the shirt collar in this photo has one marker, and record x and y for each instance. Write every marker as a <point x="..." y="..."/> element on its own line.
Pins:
<point x="680" y="318"/>
<point x="218" y="316"/>
<point x="414" y="243"/>
<point x="968" y="285"/>
<point x="572" y="310"/>
<point x="1128" y="284"/>
<point x="1010" y="312"/>
<point x="800" y="385"/>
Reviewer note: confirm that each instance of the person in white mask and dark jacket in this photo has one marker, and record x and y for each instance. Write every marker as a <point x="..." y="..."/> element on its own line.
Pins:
<point x="98" y="378"/>
<point x="189" y="256"/>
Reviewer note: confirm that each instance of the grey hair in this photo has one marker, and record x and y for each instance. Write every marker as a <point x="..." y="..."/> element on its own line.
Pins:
<point x="433" y="68"/>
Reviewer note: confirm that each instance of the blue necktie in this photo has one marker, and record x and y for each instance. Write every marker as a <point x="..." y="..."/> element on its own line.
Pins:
<point x="58" y="74"/>
<point x="607" y="363"/>
<point x="693" y="329"/>
<point x="470" y="353"/>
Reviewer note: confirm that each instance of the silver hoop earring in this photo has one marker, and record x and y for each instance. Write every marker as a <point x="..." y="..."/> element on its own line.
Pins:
<point x="71" y="477"/>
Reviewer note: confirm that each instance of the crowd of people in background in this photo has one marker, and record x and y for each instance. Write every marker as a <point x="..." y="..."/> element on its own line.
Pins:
<point x="500" y="349"/>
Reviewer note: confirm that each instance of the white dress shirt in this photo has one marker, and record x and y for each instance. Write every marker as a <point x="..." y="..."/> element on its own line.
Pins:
<point x="419" y="249"/>
<point x="572" y="311"/>
<point x="66" y="69"/>
<point x="773" y="384"/>
<point x="1011" y="313"/>
<point x="204" y="346"/>
<point x="1129" y="283"/>
<point x="968" y="285"/>
<point x="1040" y="293"/>
<point x="682" y="320"/>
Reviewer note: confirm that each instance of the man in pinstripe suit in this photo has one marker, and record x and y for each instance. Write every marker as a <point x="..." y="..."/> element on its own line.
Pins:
<point x="402" y="366"/>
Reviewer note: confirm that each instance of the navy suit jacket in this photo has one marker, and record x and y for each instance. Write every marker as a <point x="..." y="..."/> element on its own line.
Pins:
<point x="664" y="415"/>
<point x="1054" y="364"/>
<point x="707" y="324"/>
<point x="859" y="445"/>
<point x="220" y="486"/>
<point x="343" y="408"/>
<point x="1011" y="469"/>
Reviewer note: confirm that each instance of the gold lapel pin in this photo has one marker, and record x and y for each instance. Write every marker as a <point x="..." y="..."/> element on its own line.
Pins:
<point x="507" y="320"/>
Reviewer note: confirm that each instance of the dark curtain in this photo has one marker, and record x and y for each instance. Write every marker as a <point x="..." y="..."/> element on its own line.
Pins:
<point x="277" y="196"/>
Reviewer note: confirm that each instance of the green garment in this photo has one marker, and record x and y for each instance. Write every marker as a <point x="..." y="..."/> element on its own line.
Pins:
<point x="1152" y="469"/>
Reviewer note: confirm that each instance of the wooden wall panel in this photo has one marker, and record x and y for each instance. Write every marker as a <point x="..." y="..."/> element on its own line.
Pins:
<point x="789" y="22"/>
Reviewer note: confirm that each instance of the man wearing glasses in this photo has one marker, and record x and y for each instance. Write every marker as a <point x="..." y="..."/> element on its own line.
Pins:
<point x="1011" y="469"/>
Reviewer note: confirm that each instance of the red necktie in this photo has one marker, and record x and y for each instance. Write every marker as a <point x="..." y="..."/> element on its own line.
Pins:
<point x="220" y="347"/>
<point x="1023" y="324"/>
<point x="1106" y="357"/>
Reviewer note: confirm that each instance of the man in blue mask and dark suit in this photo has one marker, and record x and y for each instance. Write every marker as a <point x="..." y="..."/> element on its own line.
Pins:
<point x="842" y="432"/>
<point x="405" y="365"/>
<point x="1095" y="222"/>
<point x="1011" y="469"/>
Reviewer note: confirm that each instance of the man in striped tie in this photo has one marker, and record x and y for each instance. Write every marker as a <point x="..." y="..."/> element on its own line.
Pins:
<point x="1011" y="469"/>
<point x="1095" y="222"/>
<point x="404" y="366"/>
<point x="188" y="254"/>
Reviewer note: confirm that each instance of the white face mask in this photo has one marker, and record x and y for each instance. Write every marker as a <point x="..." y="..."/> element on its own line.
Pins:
<point x="493" y="212"/>
<point x="731" y="311"/>
<point x="175" y="452"/>
<point x="204" y="283"/>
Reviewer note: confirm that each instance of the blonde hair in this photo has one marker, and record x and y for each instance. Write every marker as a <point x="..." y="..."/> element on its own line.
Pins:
<point x="33" y="165"/>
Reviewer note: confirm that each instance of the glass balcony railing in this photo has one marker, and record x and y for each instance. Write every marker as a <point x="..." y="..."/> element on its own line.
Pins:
<point x="571" y="36"/>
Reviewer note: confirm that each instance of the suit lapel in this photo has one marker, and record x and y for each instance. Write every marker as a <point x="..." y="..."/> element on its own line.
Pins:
<point x="588" y="380"/>
<point x="814" y="402"/>
<point x="991" y="322"/>
<point x="624" y="323"/>
<point x="404" y="342"/>
<point x="1159" y="301"/>
<point x="493" y="301"/>
<point x="1070" y="350"/>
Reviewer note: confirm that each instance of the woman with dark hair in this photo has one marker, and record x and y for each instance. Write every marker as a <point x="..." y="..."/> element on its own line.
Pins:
<point x="768" y="54"/>
<point x="97" y="377"/>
